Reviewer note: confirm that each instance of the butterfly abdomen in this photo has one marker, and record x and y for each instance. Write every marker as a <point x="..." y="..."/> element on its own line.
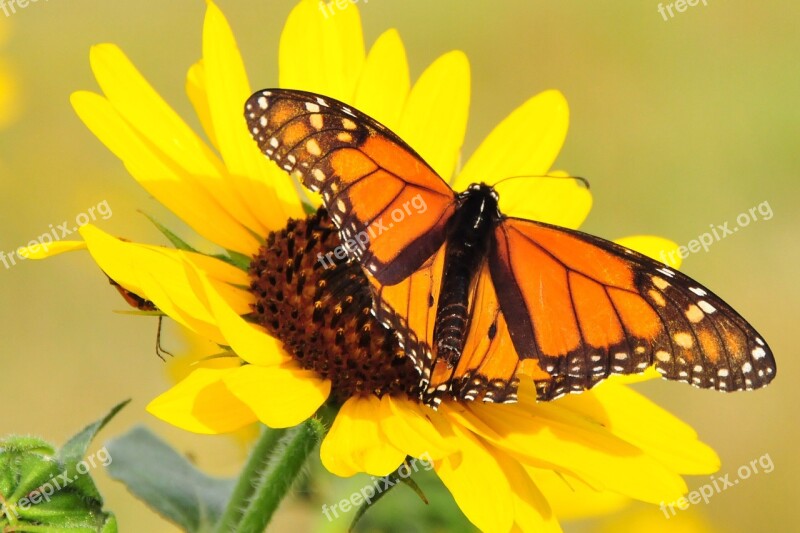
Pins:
<point x="469" y="235"/>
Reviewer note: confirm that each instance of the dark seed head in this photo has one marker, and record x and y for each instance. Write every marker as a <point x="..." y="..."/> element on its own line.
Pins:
<point x="320" y="311"/>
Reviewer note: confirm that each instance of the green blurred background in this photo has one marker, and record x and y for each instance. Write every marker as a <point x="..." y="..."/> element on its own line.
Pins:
<point x="679" y="124"/>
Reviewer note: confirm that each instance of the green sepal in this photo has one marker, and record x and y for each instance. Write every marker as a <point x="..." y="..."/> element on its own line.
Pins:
<point x="176" y="241"/>
<point x="41" y="489"/>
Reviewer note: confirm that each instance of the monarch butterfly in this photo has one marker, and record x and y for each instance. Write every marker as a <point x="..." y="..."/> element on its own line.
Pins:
<point x="479" y="298"/>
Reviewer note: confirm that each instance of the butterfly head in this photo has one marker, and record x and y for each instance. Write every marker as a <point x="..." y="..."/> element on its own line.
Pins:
<point x="483" y="201"/>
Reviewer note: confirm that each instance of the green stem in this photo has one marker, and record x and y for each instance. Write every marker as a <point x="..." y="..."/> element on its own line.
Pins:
<point x="277" y="479"/>
<point x="252" y="471"/>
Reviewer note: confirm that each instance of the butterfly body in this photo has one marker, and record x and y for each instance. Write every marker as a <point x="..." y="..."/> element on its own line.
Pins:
<point x="479" y="299"/>
<point x="469" y="235"/>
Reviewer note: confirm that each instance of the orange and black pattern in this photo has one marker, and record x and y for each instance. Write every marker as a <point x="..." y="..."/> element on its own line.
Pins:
<point x="480" y="300"/>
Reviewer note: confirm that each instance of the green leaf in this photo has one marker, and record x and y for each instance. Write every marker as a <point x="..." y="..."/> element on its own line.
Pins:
<point x="167" y="482"/>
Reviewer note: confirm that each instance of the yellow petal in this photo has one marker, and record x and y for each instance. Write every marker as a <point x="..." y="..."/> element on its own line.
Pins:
<point x="281" y="396"/>
<point x="639" y="421"/>
<point x="405" y="425"/>
<point x="322" y="52"/>
<point x="435" y="116"/>
<point x="196" y="91"/>
<point x="571" y="498"/>
<point x="545" y="434"/>
<point x="158" y="274"/>
<point x="384" y="84"/>
<point x="356" y="444"/>
<point x="256" y="181"/>
<point x="45" y="250"/>
<point x="658" y="248"/>
<point x="202" y="403"/>
<point x="490" y="509"/>
<point x="532" y="512"/>
<point x="174" y="186"/>
<point x="526" y="143"/>
<point x="564" y="202"/>
<point x="249" y="341"/>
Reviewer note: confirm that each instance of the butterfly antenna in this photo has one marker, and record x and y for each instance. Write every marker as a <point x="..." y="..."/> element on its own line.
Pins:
<point x="584" y="181"/>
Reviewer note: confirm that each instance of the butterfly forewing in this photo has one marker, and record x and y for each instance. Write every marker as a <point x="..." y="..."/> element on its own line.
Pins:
<point x="387" y="203"/>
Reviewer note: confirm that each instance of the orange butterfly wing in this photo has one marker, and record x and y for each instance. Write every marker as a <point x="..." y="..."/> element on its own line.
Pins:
<point x="586" y="308"/>
<point x="489" y="364"/>
<point x="389" y="205"/>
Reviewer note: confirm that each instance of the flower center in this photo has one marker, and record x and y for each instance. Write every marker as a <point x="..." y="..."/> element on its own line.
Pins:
<point x="321" y="312"/>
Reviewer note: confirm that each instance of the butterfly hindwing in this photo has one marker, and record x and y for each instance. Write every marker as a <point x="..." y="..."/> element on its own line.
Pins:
<point x="488" y="367"/>
<point x="389" y="205"/>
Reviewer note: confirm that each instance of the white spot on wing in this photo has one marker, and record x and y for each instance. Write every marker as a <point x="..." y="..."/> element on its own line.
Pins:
<point x="707" y="307"/>
<point x="667" y="272"/>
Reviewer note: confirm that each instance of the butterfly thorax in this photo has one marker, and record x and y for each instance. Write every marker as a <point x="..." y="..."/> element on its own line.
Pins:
<point x="469" y="234"/>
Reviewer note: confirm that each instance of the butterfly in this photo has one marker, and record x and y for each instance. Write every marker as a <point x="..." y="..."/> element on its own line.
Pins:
<point x="479" y="299"/>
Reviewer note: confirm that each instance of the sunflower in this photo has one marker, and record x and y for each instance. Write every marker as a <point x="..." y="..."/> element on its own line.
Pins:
<point x="295" y="339"/>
